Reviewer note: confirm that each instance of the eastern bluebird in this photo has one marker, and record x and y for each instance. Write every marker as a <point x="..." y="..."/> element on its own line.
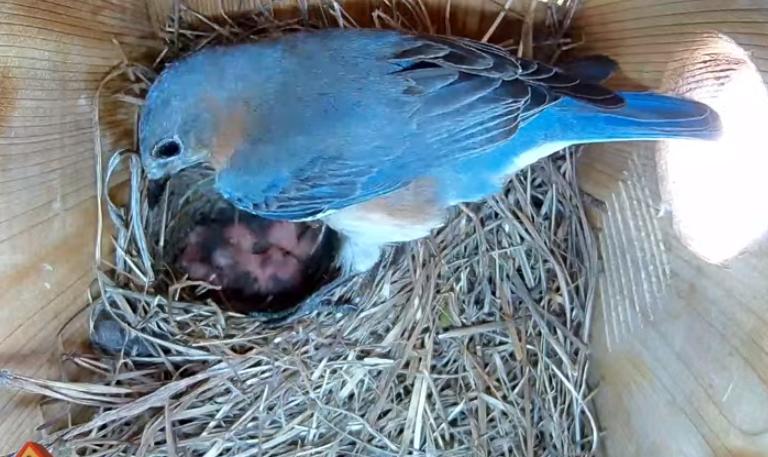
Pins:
<point x="377" y="133"/>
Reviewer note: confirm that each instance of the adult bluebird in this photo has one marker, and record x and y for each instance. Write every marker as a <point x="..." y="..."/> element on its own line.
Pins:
<point x="377" y="133"/>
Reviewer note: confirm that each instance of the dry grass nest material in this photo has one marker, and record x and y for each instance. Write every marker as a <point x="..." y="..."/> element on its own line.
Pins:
<point x="474" y="341"/>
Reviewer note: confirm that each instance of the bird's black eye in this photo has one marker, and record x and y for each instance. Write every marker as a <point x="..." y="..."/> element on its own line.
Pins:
<point x="168" y="149"/>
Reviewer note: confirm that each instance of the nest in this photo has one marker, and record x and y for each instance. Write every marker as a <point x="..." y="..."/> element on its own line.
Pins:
<point x="473" y="341"/>
<point x="188" y="201"/>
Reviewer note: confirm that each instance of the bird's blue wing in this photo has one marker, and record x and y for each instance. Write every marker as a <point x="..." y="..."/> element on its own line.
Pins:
<point x="467" y="97"/>
<point x="322" y="187"/>
<point x="490" y="96"/>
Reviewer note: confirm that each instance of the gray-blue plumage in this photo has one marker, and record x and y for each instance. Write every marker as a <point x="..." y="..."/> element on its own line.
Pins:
<point x="305" y="125"/>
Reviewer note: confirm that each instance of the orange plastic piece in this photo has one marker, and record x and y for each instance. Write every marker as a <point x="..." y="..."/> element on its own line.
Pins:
<point x="31" y="449"/>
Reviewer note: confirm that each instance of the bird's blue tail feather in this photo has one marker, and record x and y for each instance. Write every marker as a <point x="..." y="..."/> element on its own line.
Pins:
<point x="645" y="116"/>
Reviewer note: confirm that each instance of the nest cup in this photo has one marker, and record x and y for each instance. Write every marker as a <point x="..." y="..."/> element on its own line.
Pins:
<point x="474" y="341"/>
<point x="187" y="201"/>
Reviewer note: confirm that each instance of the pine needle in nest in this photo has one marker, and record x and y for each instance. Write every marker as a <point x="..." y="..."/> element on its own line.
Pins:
<point x="471" y="342"/>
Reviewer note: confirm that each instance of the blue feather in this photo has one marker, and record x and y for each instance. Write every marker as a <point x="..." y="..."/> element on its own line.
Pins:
<point x="645" y="116"/>
<point x="336" y="118"/>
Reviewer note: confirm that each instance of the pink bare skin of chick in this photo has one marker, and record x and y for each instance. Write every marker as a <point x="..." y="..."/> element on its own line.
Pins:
<point x="267" y="259"/>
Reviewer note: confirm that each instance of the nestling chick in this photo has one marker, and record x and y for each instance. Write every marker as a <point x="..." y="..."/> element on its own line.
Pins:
<point x="255" y="261"/>
<point x="265" y="259"/>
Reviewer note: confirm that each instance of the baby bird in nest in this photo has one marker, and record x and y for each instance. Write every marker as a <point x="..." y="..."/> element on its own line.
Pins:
<point x="257" y="264"/>
<point x="253" y="264"/>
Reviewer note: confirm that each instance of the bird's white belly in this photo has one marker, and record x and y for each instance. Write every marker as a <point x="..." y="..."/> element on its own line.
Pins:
<point x="406" y="215"/>
<point x="378" y="228"/>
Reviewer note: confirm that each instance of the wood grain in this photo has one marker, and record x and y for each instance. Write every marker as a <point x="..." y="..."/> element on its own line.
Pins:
<point x="692" y="381"/>
<point x="53" y="53"/>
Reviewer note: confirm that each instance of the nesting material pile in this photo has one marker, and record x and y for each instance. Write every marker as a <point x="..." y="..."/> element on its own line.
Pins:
<point x="474" y="341"/>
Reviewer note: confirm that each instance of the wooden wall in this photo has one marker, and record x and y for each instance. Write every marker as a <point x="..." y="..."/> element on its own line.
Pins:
<point x="53" y="54"/>
<point x="687" y="370"/>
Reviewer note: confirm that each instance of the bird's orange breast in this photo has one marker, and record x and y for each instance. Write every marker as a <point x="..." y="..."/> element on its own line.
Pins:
<point x="403" y="215"/>
<point x="230" y="133"/>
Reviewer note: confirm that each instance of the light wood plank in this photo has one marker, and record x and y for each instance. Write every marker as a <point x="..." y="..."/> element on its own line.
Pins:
<point x="53" y="54"/>
<point x="692" y="381"/>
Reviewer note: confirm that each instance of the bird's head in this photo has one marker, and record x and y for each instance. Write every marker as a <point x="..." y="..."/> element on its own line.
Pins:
<point x="224" y="107"/>
<point x="194" y="113"/>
